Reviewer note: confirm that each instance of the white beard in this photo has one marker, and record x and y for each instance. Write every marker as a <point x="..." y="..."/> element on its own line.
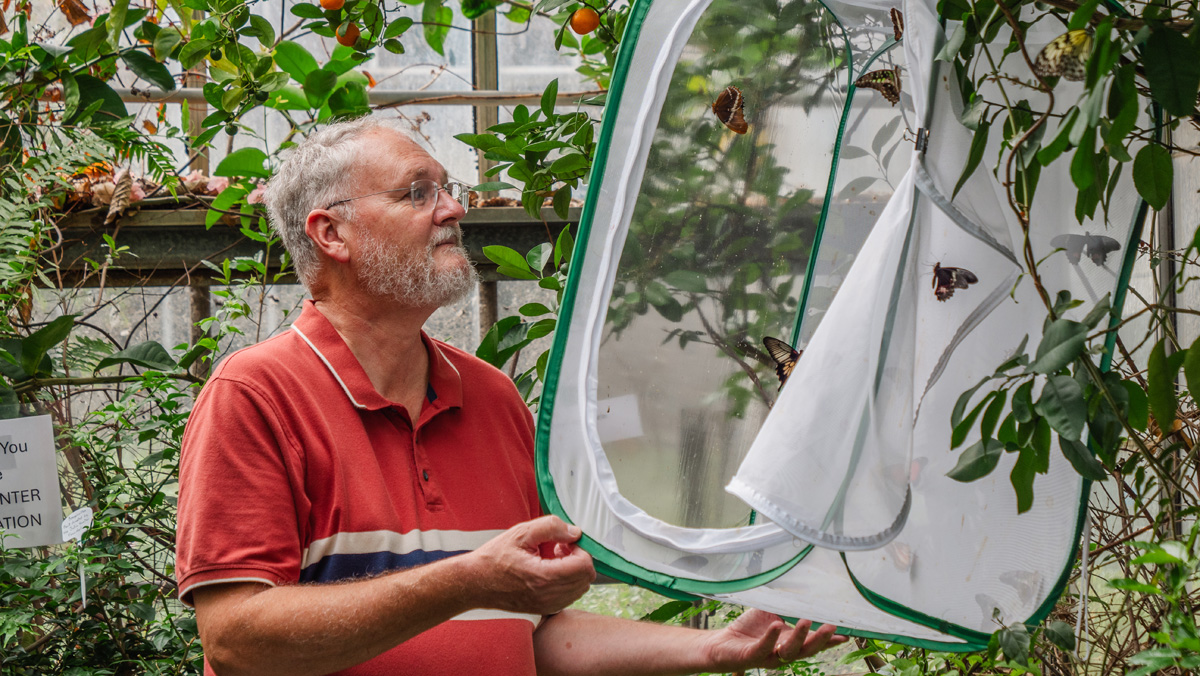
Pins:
<point x="414" y="278"/>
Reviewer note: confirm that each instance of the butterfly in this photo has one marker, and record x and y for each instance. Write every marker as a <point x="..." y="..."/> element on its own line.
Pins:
<point x="886" y="82"/>
<point x="784" y="356"/>
<point x="728" y="109"/>
<point x="1066" y="55"/>
<point x="897" y="23"/>
<point x="946" y="280"/>
<point x="1098" y="247"/>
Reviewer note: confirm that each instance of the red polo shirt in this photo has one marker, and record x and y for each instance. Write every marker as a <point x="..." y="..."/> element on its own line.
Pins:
<point x="294" y="469"/>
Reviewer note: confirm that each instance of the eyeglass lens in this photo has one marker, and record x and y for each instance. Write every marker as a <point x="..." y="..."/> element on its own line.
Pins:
<point x="424" y="193"/>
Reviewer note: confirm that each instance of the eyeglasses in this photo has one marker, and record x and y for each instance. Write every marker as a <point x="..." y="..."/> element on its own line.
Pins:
<point x="424" y="194"/>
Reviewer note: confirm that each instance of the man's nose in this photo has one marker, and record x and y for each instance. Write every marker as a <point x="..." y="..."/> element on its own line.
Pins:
<point x="447" y="210"/>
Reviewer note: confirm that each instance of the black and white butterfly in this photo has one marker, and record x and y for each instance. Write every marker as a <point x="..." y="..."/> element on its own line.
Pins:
<point x="784" y="356"/>
<point x="729" y="109"/>
<point x="1097" y="247"/>
<point x="885" y="81"/>
<point x="946" y="280"/>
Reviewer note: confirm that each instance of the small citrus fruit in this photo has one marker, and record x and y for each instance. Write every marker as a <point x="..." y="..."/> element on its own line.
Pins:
<point x="332" y="5"/>
<point x="349" y="37"/>
<point x="584" y="20"/>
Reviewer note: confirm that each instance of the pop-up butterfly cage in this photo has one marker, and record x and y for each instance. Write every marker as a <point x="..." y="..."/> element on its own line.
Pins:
<point x="776" y="199"/>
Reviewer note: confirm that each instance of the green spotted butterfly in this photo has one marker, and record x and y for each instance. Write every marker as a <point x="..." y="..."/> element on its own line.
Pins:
<point x="1065" y="56"/>
<point x="886" y="82"/>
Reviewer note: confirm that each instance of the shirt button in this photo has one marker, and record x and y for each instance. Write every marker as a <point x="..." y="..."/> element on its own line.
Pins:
<point x="425" y="474"/>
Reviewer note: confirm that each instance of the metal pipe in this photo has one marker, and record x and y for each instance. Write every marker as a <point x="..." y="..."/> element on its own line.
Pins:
<point x="376" y="98"/>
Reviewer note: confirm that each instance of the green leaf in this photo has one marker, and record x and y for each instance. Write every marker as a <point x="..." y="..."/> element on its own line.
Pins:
<point x="494" y="185"/>
<point x="1139" y="405"/>
<point x="539" y="255"/>
<point x="1103" y="309"/>
<point x="562" y="202"/>
<point x="534" y="310"/>
<point x="94" y="91"/>
<point x="1062" y="405"/>
<point x="1014" y="642"/>
<point x="10" y="406"/>
<point x="960" y="431"/>
<point x="194" y="51"/>
<point x="687" y="280"/>
<point x="232" y="97"/>
<point x="116" y="22"/>
<point x="667" y="611"/>
<point x="506" y="257"/>
<point x="564" y="247"/>
<point x="149" y="355"/>
<point x="294" y="60"/>
<point x="571" y="163"/>
<point x="1060" y="634"/>
<point x="1081" y="458"/>
<point x="1191" y="370"/>
<point x="398" y="27"/>
<point x="148" y="69"/>
<point x="1062" y="342"/>
<point x="1126" y="584"/>
<point x="991" y="415"/>
<point x="1153" y="174"/>
<point x="974" y="156"/>
<point x="961" y="405"/>
<point x="1172" y="70"/>
<point x="1022" y="476"/>
<point x="263" y="30"/>
<point x="243" y="162"/>
<point x="977" y="461"/>
<point x="165" y="42"/>
<point x="549" y="97"/>
<point x="35" y="346"/>
<point x="1083" y="163"/>
<point x="306" y="10"/>
<point x="318" y="85"/>
<point x="349" y="100"/>
<point x="436" y="20"/>
<point x="1160" y="386"/>
<point x="1022" y="402"/>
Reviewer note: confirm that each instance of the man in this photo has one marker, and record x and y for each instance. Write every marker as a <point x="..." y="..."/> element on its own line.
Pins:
<point x="330" y="474"/>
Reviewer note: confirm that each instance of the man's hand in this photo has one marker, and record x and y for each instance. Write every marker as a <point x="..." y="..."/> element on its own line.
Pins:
<point x="533" y="567"/>
<point x="760" y="639"/>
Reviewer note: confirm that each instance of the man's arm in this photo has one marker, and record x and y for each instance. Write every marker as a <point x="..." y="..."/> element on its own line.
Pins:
<point x="575" y="643"/>
<point x="317" y="629"/>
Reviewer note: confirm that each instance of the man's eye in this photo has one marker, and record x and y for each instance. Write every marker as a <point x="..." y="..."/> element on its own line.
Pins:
<point x="419" y="195"/>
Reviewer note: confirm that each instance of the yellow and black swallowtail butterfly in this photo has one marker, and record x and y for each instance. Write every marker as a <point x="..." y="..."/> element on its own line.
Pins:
<point x="784" y="356"/>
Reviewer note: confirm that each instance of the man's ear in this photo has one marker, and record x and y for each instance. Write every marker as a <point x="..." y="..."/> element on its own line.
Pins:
<point x="325" y="230"/>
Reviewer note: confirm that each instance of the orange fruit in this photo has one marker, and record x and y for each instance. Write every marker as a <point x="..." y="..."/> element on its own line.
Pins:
<point x="349" y="36"/>
<point x="332" y="5"/>
<point x="584" y="20"/>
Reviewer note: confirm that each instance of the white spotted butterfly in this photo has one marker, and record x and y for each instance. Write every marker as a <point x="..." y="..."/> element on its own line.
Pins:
<point x="1066" y="55"/>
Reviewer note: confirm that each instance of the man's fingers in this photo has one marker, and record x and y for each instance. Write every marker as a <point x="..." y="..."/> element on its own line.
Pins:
<point x="792" y="643"/>
<point x="550" y="529"/>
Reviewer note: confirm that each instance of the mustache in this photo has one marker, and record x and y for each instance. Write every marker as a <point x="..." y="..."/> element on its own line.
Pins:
<point x="445" y="235"/>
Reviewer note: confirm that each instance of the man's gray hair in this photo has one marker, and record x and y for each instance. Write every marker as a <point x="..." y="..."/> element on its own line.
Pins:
<point x="316" y="173"/>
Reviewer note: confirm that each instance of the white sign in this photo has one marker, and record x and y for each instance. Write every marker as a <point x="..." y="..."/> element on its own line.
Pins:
<point x="76" y="524"/>
<point x="30" y="505"/>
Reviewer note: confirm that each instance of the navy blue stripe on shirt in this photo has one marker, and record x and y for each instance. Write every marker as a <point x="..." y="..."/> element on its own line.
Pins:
<point x="345" y="566"/>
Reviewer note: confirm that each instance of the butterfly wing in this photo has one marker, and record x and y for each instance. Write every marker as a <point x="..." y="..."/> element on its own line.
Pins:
<point x="1073" y="245"/>
<point x="1065" y="56"/>
<point x="729" y="109"/>
<point x="886" y="82"/>
<point x="784" y="355"/>
<point x="1099" y="246"/>
<point x="946" y="280"/>
<point x="897" y="23"/>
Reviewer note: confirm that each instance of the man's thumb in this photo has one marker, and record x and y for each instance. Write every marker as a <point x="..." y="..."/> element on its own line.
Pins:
<point x="553" y="529"/>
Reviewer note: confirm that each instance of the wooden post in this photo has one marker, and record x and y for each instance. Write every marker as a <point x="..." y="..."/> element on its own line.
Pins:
<point x="201" y="305"/>
<point x="486" y="73"/>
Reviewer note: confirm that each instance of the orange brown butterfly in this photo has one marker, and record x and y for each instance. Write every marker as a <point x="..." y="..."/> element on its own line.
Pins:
<point x="729" y="109"/>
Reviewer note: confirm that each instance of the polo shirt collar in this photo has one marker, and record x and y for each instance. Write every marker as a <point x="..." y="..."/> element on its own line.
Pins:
<point x="445" y="382"/>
